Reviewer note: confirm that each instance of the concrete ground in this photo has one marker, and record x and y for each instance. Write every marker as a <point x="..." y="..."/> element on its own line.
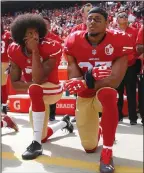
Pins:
<point x="63" y="153"/>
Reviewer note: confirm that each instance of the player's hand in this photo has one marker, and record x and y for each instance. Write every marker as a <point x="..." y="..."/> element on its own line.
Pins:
<point x="101" y="72"/>
<point x="31" y="42"/>
<point x="75" y="86"/>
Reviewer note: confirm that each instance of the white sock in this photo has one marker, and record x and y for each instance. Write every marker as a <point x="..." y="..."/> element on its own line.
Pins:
<point x="110" y="148"/>
<point x="4" y="123"/>
<point x="38" y="121"/>
<point x="57" y="126"/>
<point x="4" y="104"/>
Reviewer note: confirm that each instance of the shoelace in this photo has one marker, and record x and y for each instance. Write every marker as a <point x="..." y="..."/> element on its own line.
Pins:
<point x="106" y="156"/>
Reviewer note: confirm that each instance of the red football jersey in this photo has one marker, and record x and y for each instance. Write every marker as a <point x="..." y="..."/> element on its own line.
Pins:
<point x="140" y="40"/>
<point x="47" y="49"/>
<point x="80" y="27"/>
<point x="133" y="32"/>
<point x="114" y="45"/>
<point x="140" y="37"/>
<point x="53" y="36"/>
<point x="5" y="41"/>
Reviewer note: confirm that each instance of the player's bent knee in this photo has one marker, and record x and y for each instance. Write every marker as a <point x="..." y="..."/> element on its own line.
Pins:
<point x="89" y="147"/>
<point x="91" y="151"/>
<point x="107" y="94"/>
<point x="35" y="91"/>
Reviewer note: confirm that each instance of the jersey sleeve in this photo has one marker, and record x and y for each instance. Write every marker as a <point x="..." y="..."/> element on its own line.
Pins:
<point x="52" y="49"/>
<point x="68" y="44"/>
<point x="13" y="52"/>
<point x="126" y="46"/>
<point x="75" y="28"/>
<point x="140" y="36"/>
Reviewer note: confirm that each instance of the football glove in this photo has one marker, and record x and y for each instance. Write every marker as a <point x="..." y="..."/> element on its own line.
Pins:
<point x="75" y="86"/>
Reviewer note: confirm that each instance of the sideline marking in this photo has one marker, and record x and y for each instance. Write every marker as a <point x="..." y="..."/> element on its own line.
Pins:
<point x="66" y="162"/>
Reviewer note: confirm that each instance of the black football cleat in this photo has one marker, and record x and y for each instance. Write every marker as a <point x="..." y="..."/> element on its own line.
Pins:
<point x="32" y="151"/>
<point x="4" y="109"/>
<point x="69" y="126"/>
<point x="106" y="162"/>
<point x="73" y="120"/>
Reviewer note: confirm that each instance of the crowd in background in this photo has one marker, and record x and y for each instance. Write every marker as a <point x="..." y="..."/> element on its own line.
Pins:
<point x="64" y="19"/>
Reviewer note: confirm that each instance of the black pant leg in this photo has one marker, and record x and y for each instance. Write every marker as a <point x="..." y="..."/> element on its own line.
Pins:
<point x="52" y="110"/>
<point x="120" y="91"/>
<point x="130" y="83"/>
<point x="141" y="95"/>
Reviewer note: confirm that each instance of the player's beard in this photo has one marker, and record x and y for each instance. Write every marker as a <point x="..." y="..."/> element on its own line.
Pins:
<point x="93" y="34"/>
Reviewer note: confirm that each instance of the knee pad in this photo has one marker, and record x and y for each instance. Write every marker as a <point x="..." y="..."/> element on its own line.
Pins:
<point x="107" y="96"/>
<point x="35" y="92"/>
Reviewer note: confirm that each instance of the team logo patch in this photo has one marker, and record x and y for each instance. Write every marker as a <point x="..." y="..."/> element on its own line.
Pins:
<point x="109" y="49"/>
<point x="94" y="52"/>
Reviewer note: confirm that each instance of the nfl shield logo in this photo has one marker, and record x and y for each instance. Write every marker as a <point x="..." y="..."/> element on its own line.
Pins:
<point x="94" y="52"/>
<point x="109" y="49"/>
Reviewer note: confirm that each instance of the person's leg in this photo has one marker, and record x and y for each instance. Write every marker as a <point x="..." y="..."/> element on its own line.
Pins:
<point x="109" y="122"/>
<point x="141" y="96"/>
<point x="120" y="91"/>
<point x="52" y="112"/>
<point x="8" y="122"/>
<point x="41" y="97"/>
<point x="4" y="94"/>
<point x="87" y="121"/>
<point x="130" y="83"/>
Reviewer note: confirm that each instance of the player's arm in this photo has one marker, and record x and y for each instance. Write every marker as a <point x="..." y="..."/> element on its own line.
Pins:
<point x="140" y="42"/>
<point x="15" y="75"/>
<point x="74" y="70"/>
<point x="40" y="71"/>
<point x="48" y="66"/>
<point x="140" y="48"/>
<point x="119" y="68"/>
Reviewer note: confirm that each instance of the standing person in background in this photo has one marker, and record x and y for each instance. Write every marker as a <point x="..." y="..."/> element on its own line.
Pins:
<point x="84" y="12"/>
<point x="130" y="78"/>
<point x="140" y="50"/>
<point x="50" y="34"/>
<point x="5" y="41"/>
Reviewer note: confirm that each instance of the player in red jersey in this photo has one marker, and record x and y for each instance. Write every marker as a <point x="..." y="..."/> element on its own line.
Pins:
<point x="84" y="12"/>
<point x="38" y="60"/>
<point x="96" y="65"/>
<point x="140" y="41"/>
<point x="8" y="122"/>
<point x="140" y="50"/>
<point x="5" y="41"/>
<point x="50" y="34"/>
<point x="130" y="80"/>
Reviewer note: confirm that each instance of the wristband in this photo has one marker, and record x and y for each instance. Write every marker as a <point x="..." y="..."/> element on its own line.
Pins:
<point x="90" y="81"/>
